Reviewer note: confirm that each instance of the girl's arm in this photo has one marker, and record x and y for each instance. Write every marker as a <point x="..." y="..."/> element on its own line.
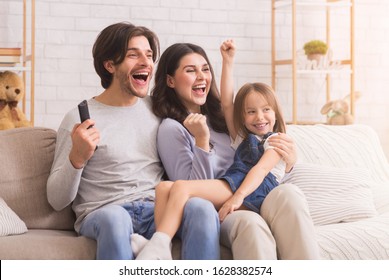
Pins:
<point x="227" y="50"/>
<point x="252" y="180"/>
<point x="285" y="146"/>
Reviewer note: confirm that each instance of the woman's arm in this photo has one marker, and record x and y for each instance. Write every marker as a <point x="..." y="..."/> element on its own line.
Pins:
<point x="227" y="50"/>
<point x="253" y="179"/>
<point x="180" y="156"/>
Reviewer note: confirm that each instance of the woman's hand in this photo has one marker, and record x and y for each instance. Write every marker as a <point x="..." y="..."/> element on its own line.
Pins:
<point x="196" y="124"/>
<point x="284" y="145"/>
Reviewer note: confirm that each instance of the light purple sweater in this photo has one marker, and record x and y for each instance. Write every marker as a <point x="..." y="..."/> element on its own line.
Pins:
<point x="183" y="160"/>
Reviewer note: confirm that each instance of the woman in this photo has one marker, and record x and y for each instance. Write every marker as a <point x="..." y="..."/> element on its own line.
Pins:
<point x="194" y="143"/>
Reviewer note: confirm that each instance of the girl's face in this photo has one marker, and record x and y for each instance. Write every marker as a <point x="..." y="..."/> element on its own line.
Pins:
<point x="191" y="81"/>
<point x="259" y="117"/>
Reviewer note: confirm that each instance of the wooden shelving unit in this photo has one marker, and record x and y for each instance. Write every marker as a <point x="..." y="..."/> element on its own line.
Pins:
<point x="293" y="6"/>
<point x="28" y="57"/>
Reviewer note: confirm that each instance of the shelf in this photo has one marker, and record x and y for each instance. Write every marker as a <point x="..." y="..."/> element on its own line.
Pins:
<point x="299" y="67"/>
<point x="27" y="63"/>
<point x="313" y="4"/>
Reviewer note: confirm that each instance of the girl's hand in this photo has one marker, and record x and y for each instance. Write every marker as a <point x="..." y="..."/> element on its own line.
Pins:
<point x="196" y="124"/>
<point x="230" y="206"/>
<point x="227" y="50"/>
<point x="284" y="145"/>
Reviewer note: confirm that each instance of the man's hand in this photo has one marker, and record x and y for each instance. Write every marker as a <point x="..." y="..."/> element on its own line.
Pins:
<point x="196" y="124"/>
<point x="84" y="142"/>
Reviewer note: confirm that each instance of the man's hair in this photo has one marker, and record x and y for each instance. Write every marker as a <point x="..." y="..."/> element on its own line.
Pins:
<point x="112" y="44"/>
<point x="166" y="103"/>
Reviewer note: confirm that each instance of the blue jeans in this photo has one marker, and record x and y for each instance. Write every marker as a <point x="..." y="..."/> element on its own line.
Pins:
<point x="112" y="225"/>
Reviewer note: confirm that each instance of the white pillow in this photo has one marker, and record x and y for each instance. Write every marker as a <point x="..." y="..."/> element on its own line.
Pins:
<point x="333" y="194"/>
<point x="10" y="223"/>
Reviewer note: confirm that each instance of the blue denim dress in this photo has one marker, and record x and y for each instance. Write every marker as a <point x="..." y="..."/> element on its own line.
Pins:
<point x="247" y="155"/>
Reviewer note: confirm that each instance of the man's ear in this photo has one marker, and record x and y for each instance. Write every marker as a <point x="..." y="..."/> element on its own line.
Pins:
<point x="170" y="81"/>
<point x="109" y="66"/>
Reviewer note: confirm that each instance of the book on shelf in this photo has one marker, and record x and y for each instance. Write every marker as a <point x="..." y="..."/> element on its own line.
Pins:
<point x="10" y="51"/>
<point x="9" y="59"/>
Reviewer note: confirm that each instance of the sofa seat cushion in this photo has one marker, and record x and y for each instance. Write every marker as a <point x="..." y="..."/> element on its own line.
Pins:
<point x="363" y="240"/>
<point x="47" y="245"/>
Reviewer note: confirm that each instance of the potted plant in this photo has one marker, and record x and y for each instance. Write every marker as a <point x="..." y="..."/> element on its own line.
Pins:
<point x="315" y="49"/>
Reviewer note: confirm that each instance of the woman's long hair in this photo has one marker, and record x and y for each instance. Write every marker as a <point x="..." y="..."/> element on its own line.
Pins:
<point x="166" y="103"/>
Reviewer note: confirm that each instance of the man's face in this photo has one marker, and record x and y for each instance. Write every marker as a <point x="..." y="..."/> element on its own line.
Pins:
<point x="135" y="72"/>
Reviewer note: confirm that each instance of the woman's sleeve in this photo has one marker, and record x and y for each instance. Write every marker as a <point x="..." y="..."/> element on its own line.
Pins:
<point x="180" y="157"/>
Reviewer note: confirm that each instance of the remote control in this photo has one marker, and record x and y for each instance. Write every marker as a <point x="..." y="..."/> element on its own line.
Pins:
<point x="84" y="111"/>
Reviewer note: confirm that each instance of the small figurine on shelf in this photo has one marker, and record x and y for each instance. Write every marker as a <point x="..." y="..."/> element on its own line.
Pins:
<point x="11" y="92"/>
<point x="337" y="111"/>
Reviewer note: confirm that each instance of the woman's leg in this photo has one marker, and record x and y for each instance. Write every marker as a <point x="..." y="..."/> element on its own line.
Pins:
<point x="285" y="210"/>
<point x="216" y="191"/>
<point x="248" y="236"/>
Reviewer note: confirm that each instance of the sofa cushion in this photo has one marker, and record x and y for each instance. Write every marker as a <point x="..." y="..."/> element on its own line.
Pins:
<point x="39" y="244"/>
<point x="10" y="223"/>
<point x="333" y="194"/>
<point x="27" y="155"/>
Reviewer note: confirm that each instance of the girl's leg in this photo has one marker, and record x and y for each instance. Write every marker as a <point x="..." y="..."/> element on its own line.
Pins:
<point x="162" y="191"/>
<point x="216" y="191"/>
<point x="138" y="242"/>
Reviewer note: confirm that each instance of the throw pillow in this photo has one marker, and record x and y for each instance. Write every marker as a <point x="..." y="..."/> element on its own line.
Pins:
<point x="10" y="223"/>
<point x="333" y="194"/>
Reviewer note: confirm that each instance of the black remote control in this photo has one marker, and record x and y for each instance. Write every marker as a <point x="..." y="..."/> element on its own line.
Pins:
<point x="84" y="111"/>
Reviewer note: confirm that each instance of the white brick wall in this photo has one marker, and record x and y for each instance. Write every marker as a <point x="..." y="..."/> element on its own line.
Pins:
<point x="66" y="30"/>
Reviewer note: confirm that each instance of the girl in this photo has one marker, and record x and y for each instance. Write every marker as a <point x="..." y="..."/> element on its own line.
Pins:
<point x="257" y="115"/>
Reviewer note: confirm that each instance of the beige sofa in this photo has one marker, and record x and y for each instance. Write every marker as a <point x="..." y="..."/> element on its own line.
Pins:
<point x="342" y="170"/>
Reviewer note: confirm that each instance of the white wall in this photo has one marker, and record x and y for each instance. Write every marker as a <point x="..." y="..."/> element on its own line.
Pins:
<point x="66" y="30"/>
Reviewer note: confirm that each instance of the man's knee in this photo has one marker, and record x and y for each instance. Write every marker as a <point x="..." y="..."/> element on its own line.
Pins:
<point x="113" y="217"/>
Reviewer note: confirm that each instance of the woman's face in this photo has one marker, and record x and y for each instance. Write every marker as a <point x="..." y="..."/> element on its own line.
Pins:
<point x="191" y="81"/>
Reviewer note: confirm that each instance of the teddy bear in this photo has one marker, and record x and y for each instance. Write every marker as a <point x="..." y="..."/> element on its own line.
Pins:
<point x="11" y="92"/>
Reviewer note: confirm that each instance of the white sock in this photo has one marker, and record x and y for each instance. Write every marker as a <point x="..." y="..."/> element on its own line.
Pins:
<point x="137" y="243"/>
<point x="158" y="248"/>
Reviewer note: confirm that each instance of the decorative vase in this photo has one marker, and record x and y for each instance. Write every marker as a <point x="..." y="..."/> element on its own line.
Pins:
<point x="315" y="56"/>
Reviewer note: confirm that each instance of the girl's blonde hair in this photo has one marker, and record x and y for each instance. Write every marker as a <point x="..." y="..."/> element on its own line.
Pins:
<point x="266" y="92"/>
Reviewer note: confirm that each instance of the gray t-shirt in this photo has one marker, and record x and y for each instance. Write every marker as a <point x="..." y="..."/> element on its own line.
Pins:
<point x="125" y="167"/>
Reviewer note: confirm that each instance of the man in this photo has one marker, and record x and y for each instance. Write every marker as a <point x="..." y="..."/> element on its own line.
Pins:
<point x="108" y="165"/>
